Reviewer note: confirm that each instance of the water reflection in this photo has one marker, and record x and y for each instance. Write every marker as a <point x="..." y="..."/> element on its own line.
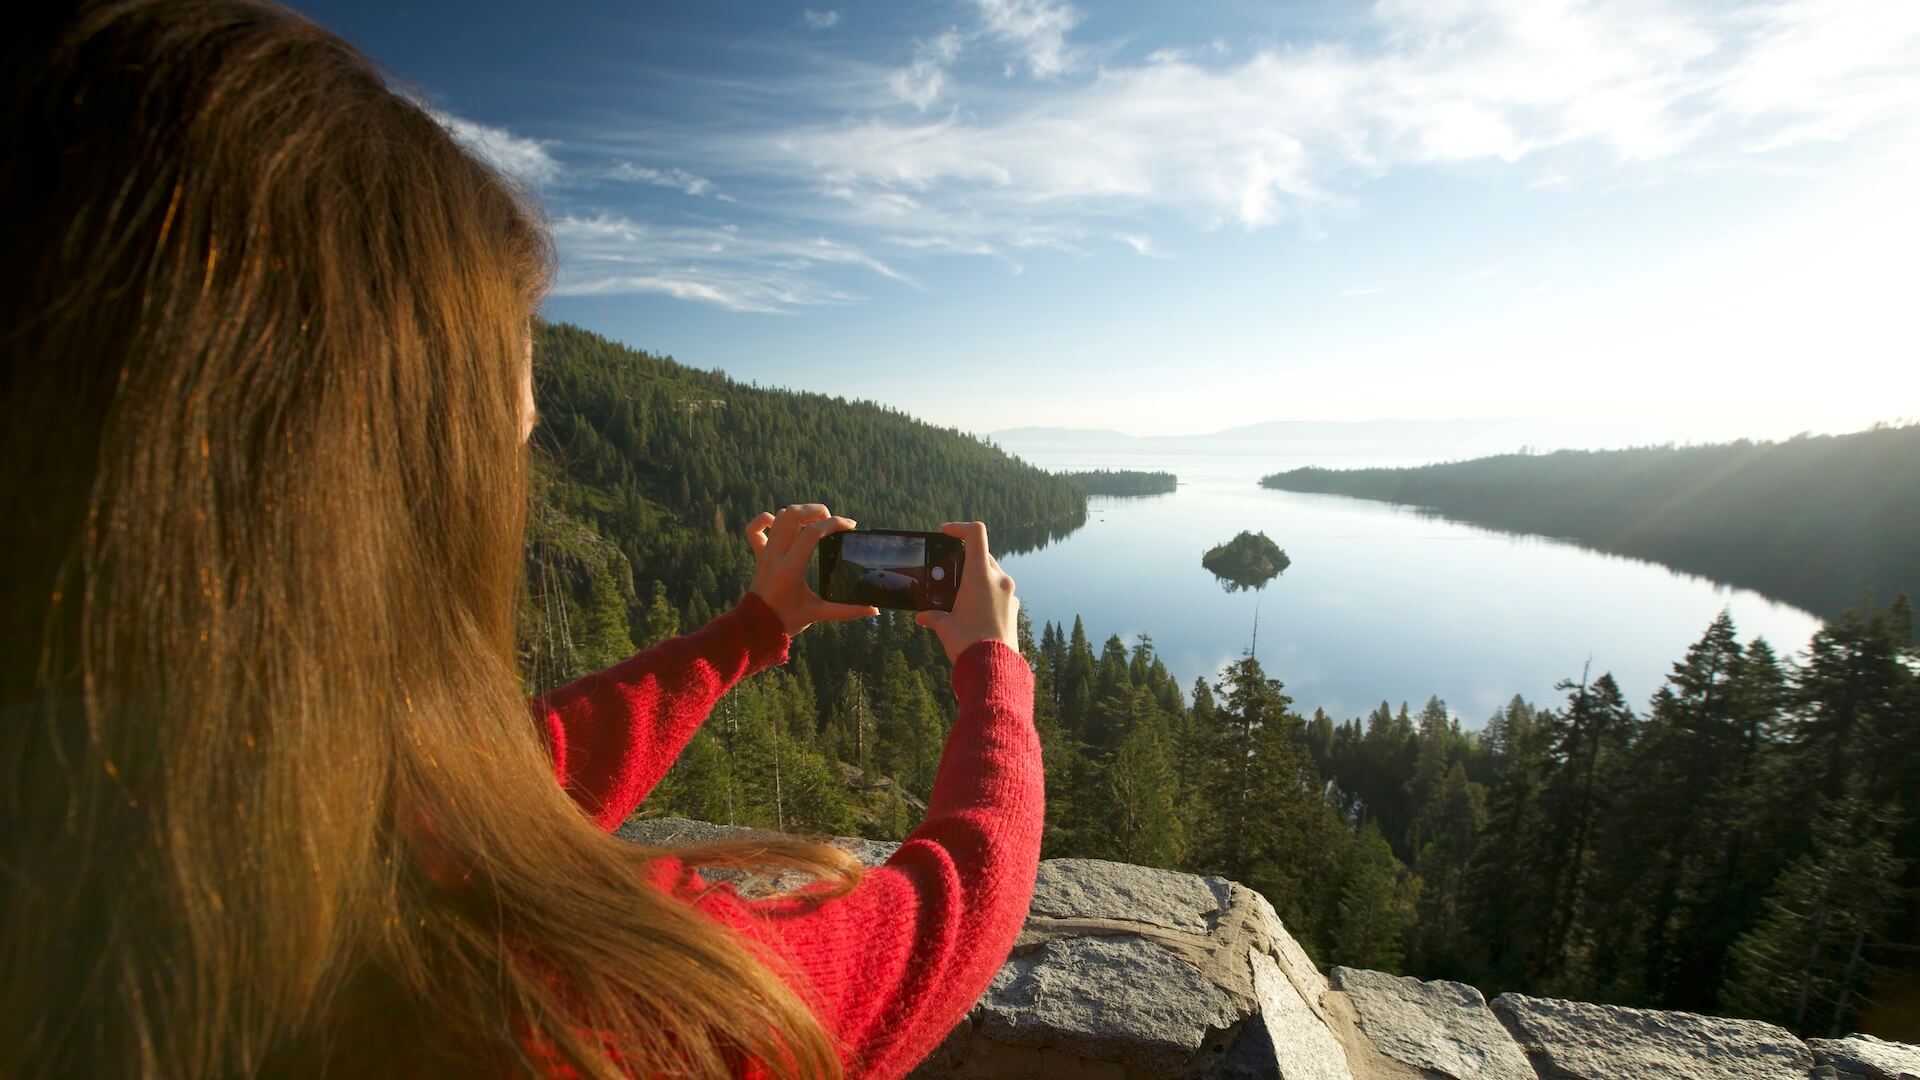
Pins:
<point x="1008" y="540"/>
<point x="1380" y="603"/>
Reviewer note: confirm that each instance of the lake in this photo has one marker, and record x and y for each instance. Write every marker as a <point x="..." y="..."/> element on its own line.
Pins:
<point x="1380" y="603"/>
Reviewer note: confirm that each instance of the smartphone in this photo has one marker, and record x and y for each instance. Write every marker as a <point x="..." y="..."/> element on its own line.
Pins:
<point x="892" y="568"/>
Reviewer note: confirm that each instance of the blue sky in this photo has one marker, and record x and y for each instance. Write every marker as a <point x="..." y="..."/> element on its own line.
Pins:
<point x="1172" y="218"/>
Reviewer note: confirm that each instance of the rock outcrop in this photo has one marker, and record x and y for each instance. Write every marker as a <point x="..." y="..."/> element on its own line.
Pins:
<point x="1863" y="1057"/>
<point x="1125" y="971"/>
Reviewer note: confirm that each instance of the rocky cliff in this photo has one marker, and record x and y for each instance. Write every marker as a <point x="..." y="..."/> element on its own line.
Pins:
<point x="1126" y="971"/>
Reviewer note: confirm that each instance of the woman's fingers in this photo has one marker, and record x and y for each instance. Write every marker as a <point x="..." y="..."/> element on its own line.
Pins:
<point x="985" y="607"/>
<point x="809" y="537"/>
<point x="756" y="531"/>
<point x="825" y="611"/>
<point x="973" y="532"/>
<point x="787" y="523"/>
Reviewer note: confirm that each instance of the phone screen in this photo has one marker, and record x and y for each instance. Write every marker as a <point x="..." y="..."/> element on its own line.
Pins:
<point x="906" y="570"/>
<point x="883" y="566"/>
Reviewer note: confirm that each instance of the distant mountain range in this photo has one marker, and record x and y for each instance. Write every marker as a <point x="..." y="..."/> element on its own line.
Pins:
<point x="1397" y="441"/>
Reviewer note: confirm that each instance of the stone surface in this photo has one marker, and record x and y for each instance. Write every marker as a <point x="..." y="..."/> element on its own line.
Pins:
<point x="1294" y="1036"/>
<point x="1154" y="972"/>
<point x="1443" y="1027"/>
<point x="1126" y="972"/>
<point x="1096" y="888"/>
<point x="1119" y="999"/>
<point x="1863" y="1057"/>
<point x="1294" y="961"/>
<point x="1574" y="1040"/>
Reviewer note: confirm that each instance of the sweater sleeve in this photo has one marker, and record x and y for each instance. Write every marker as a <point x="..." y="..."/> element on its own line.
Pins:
<point x="614" y="734"/>
<point x="892" y="966"/>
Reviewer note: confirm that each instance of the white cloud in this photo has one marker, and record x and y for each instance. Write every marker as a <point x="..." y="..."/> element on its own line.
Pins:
<point x="1573" y="95"/>
<point x="740" y="270"/>
<point x="678" y="179"/>
<point x="919" y="84"/>
<point x="820" y="20"/>
<point x="1036" y="29"/>
<point x="1367" y="290"/>
<point x="1562" y="86"/>
<point x="1834" y="66"/>
<point x="522" y="158"/>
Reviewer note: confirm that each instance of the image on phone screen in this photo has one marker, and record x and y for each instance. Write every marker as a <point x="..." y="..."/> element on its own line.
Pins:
<point x="881" y="568"/>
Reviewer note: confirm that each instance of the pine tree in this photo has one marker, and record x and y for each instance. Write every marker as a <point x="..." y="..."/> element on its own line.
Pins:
<point x="1590" y="739"/>
<point x="1443" y="945"/>
<point x="1372" y="906"/>
<point x="661" y="621"/>
<point x="1509" y="899"/>
<point x="1076" y="689"/>
<point x="1806" y="961"/>
<point x="1144" y="791"/>
<point x="604" y="638"/>
<point x="1431" y="758"/>
<point x="1229" y="768"/>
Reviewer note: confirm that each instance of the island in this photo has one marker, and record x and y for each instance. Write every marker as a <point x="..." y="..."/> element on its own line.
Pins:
<point x="1125" y="482"/>
<point x="1247" y="561"/>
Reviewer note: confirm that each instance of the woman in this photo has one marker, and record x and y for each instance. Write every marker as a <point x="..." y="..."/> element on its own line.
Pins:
<point x="275" y="803"/>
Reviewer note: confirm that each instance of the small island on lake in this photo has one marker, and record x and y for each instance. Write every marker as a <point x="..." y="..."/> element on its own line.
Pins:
<point x="1123" y="481"/>
<point x="1247" y="561"/>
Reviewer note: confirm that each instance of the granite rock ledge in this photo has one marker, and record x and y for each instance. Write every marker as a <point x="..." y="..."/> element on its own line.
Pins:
<point x="1127" y="972"/>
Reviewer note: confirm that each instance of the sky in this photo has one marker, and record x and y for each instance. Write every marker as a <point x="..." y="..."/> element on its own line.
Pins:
<point x="1175" y="218"/>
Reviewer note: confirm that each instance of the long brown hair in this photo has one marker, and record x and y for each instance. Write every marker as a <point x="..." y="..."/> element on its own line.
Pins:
<point x="264" y="494"/>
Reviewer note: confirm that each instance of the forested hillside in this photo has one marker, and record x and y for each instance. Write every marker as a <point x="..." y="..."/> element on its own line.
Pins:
<point x="1745" y="842"/>
<point x="647" y="469"/>
<point x="1816" y="521"/>
<point x="1126" y="482"/>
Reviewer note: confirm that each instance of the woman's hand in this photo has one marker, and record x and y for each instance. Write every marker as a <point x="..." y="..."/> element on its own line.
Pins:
<point x="782" y="545"/>
<point x="985" y="609"/>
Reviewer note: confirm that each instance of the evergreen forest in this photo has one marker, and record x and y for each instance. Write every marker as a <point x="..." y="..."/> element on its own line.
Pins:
<point x="1124" y="482"/>
<point x="1745" y="842"/>
<point x="1817" y="521"/>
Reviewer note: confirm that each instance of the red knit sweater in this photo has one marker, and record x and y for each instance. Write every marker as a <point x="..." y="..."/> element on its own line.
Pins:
<point x="892" y="966"/>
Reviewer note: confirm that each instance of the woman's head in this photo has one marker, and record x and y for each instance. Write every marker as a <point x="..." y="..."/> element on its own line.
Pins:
<point x="266" y="330"/>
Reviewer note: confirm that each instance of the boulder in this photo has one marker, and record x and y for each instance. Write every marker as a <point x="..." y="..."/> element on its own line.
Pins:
<point x="1117" y="999"/>
<point x="1149" y="972"/>
<point x="1287" y="1034"/>
<point x="1444" y="1028"/>
<point x="1573" y="1040"/>
<point x="1096" y="888"/>
<point x="1121" y="972"/>
<point x="1863" y="1057"/>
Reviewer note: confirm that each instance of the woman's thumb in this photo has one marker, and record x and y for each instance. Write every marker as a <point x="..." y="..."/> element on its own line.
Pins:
<point x="932" y="619"/>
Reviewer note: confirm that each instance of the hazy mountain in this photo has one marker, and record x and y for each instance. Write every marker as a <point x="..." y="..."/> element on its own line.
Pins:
<point x="1344" y="441"/>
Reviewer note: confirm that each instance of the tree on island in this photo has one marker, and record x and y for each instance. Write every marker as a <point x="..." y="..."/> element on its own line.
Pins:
<point x="1248" y="561"/>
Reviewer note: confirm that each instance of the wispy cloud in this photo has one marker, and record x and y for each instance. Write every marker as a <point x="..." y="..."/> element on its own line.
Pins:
<point x="919" y="84"/>
<point x="820" y="20"/>
<point x="1374" y="289"/>
<point x="1036" y="30"/>
<point x="1286" y="128"/>
<point x="1083" y="153"/>
<point x="724" y="265"/>
<point x="677" y="179"/>
<point x="524" y="159"/>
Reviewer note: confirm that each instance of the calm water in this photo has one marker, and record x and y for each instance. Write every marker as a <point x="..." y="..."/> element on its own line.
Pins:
<point x="1380" y="603"/>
